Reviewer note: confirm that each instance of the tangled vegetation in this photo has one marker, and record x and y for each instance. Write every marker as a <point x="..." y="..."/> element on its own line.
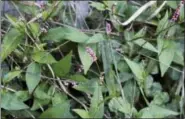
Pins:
<point x="128" y="63"/>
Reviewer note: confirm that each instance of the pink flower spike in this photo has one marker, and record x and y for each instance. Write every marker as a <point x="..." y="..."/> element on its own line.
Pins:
<point x="177" y="12"/>
<point x="108" y="28"/>
<point x="91" y="53"/>
<point x="40" y="4"/>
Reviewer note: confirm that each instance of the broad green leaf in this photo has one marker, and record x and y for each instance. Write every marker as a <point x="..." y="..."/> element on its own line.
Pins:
<point x="163" y="23"/>
<point x="120" y="104"/>
<point x="22" y="95"/>
<point x="95" y="38"/>
<point x="160" y="98"/>
<point x="154" y="111"/>
<point x="178" y="57"/>
<point x="153" y="90"/>
<point x="11" y="102"/>
<point x="125" y="76"/>
<point x="172" y="4"/>
<point x="62" y="67"/>
<point x="43" y="57"/>
<point x="82" y="113"/>
<point x="97" y="106"/>
<point x="131" y="91"/>
<point x="59" y="111"/>
<point x="33" y="76"/>
<point x="145" y="44"/>
<point x="166" y="56"/>
<point x="35" y="29"/>
<point x="87" y="87"/>
<point x="85" y="58"/>
<point x="75" y="35"/>
<point x="11" y="75"/>
<point x="99" y="6"/>
<point x="13" y="20"/>
<point x="38" y="103"/>
<point x="66" y="33"/>
<point x="18" y="24"/>
<point x="58" y="98"/>
<point x="141" y="33"/>
<point x="10" y="42"/>
<point x="136" y="68"/>
<point x="55" y="34"/>
<point x="78" y="78"/>
<point x="41" y="91"/>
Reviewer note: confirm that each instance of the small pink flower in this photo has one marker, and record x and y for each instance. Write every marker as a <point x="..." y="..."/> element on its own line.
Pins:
<point x="177" y="12"/>
<point x="40" y="4"/>
<point x="108" y="28"/>
<point x="91" y="53"/>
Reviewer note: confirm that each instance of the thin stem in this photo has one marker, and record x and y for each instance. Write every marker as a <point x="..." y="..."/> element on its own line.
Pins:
<point x="147" y="102"/>
<point x="65" y="90"/>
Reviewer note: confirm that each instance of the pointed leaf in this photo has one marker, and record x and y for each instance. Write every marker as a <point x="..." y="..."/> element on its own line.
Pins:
<point x="59" y="111"/>
<point x="62" y="67"/>
<point x="11" y="102"/>
<point x="33" y="77"/>
<point x="145" y="44"/>
<point x="11" y="75"/>
<point x="97" y="106"/>
<point x="82" y="113"/>
<point x="120" y="104"/>
<point x="95" y="38"/>
<point x="10" y="42"/>
<point x="43" y="57"/>
<point x="136" y="68"/>
<point x="166" y="56"/>
<point x="154" y="111"/>
<point x="78" y="78"/>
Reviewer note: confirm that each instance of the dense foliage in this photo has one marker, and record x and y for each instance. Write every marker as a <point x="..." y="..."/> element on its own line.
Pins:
<point x="129" y="63"/>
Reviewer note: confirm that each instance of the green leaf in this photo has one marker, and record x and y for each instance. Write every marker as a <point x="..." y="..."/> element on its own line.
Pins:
<point x="41" y="91"/>
<point x="178" y="57"/>
<point x="35" y="29"/>
<point x="75" y="35"/>
<point x="137" y="69"/>
<point x="62" y="67"/>
<point x="172" y="4"/>
<point x="87" y="87"/>
<point x="22" y="95"/>
<point x="82" y="113"/>
<point x="68" y="33"/>
<point x="85" y="58"/>
<point x="160" y="98"/>
<point x="38" y="103"/>
<point x="145" y="44"/>
<point x="97" y="106"/>
<point x="11" y="102"/>
<point x="55" y="34"/>
<point x="58" y="98"/>
<point x="95" y="38"/>
<point x="99" y="6"/>
<point x="43" y="57"/>
<point x="59" y="111"/>
<point x="166" y="56"/>
<point x="120" y="104"/>
<point x="13" y="20"/>
<point x="11" y="75"/>
<point x="131" y="91"/>
<point x="33" y="76"/>
<point x="10" y="42"/>
<point x="78" y="78"/>
<point x="163" y="23"/>
<point x="154" y="111"/>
